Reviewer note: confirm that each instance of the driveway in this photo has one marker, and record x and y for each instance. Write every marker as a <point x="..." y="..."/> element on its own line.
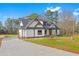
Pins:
<point x="17" y="47"/>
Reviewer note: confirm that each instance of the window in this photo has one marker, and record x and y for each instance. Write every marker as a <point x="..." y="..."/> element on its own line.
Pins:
<point x="39" y="32"/>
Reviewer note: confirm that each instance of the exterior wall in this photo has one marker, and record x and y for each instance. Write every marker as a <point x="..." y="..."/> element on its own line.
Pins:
<point x="26" y="33"/>
<point x="33" y="24"/>
<point x="23" y="33"/>
<point x="29" y="33"/>
<point x="20" y="32"/>
<point x="36" y="22"/>
<point x="53" y="32"/>
<point x="39" y="26"/>
<point x="58" y="32"/>
<point x="36" y="32"/>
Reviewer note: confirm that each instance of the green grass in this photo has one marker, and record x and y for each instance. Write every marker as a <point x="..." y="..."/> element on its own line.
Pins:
<point x="65" y="43"/>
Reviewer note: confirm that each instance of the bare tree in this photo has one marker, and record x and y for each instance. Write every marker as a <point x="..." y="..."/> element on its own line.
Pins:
<point x="11" y="25"/>
<point x="68" y="23"/>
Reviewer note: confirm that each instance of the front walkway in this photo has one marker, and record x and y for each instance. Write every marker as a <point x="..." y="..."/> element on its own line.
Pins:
<point x="16" y="47"/>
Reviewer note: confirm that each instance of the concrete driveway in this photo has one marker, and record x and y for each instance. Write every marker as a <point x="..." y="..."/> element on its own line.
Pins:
<point x="16" y="47"/>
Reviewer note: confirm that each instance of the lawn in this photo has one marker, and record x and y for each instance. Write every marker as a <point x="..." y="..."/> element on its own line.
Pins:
<point x="64" y="43"/>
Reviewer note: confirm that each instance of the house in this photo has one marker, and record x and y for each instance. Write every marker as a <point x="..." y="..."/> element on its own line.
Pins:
<point x="37" y="28"/>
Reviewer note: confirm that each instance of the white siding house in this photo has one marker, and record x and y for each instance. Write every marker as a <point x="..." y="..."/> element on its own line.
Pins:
<point x="36" y="28"/>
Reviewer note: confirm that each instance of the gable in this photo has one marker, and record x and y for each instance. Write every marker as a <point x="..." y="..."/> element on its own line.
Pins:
<point x="39" y="25"/>
<point x="33" y="24"/>
<point x="36" y="23"/>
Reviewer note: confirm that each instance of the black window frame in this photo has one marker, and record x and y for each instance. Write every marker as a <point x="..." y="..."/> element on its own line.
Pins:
<point x="39" y="32"/>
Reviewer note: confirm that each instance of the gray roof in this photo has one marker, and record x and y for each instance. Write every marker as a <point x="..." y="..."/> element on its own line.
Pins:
<point x="27" y="22"/>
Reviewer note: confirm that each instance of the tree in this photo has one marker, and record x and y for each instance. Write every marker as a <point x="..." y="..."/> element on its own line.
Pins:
<point x="2" y="29"/>
<point x="52" y="17"/>
<point x="11" y="25"/>
<point x="33" y="16"/>
<point x="77" y="28"/>
<point x="1" y="25"/>
<point x="48" y="13"/>
<point x="67" y="24"/>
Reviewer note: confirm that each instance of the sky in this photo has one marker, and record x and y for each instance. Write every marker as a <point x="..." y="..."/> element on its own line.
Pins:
<point x="18" y="10"/>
